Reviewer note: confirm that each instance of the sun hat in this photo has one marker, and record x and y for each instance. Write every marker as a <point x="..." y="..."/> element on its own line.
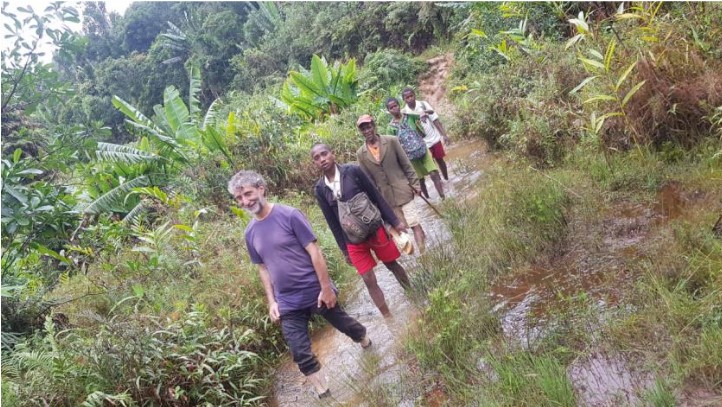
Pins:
<point x="366" y="118"/>
<point x="403" y="242"/>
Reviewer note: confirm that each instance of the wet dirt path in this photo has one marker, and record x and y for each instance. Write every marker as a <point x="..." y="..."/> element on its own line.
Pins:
<point x="345" y="364"/>
<point x="349" y="368"/>
<point x="596" y="260"/>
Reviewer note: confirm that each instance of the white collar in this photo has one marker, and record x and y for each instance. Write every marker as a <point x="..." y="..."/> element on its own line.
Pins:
<point x="335" y="183"/>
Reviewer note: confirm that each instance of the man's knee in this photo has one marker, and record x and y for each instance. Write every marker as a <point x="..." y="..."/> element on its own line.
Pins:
<point x="369" y="278"/>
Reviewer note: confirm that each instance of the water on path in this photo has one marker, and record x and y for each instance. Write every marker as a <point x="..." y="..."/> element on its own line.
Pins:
<point x="347" y="367"/>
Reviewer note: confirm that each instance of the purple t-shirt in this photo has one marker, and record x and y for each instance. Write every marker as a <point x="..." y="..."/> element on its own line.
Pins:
<point x="278" y="242"/>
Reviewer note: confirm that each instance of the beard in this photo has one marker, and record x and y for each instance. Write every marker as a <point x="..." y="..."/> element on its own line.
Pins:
<point x="257" y="207"/>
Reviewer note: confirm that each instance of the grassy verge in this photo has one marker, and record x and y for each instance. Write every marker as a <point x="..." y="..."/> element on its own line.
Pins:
<point x="655" y="299"/>
<point x="179" y="318"/>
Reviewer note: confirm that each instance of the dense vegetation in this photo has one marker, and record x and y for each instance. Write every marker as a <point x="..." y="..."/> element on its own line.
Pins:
<point x="124" y="279"/>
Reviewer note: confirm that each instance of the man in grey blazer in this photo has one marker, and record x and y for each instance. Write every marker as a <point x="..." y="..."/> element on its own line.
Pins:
<point x="386" y="163"/>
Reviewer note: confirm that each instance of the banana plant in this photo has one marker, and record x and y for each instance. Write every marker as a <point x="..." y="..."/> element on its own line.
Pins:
<point x="175" y="136"/>
<point x="322" y="90"/>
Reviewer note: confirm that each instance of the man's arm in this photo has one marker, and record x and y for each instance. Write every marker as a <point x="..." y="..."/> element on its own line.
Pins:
<point x="405" y="164"/>
<point x="327" y="296"/>
<point x="437" y="124"/>
<point x="270" y="297"/>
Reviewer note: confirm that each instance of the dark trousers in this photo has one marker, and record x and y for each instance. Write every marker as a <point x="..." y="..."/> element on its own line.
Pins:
<point x="294" y="325"/>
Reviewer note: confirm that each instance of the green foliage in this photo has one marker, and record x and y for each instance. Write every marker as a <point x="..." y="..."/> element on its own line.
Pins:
<point x="324" y="90"/>
<point x="187" y="362"/>
<point x="523" y="106"/>
<point x="173" y="136"/>
<point x="280" y="37"/>
<point x="660" y="395"/>
<point x="539" y="380"/>
<point x="642" y="87"/>
<point x="387" y="68"/>
<point x="495" y="33"/>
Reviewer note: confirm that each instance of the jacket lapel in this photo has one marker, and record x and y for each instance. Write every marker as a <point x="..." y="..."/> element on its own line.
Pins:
<point x="382" y="149"/>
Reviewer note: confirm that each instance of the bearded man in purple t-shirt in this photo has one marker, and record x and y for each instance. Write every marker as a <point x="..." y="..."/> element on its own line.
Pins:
<point x="293" y="272"/>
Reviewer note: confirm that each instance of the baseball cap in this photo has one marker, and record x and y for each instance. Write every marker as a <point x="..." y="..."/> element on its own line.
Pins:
<point x="366" y="118"/>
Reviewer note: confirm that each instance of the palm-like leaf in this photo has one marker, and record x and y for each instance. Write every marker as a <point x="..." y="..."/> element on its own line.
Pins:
<point x="176" y="112"/>
<point x="319" y="73"/>
<point x="306" y="84"/>
<point x="134" y="213"/>
<point x="124" y="154"/>
<point x="321" y="90"/>
<point x="106" y="202"/>
<point x="214" y="141"/>
<point x="134" y="114"/>
<point x="194" y="89"/>
<point x="210" y="116"/>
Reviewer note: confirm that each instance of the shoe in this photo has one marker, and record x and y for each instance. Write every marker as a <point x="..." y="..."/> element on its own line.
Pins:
<point x="365" y="342"/>
<point x="319" y="384"/>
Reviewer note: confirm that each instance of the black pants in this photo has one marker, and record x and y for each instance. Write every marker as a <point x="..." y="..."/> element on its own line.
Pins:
<point x="294" y="325"/>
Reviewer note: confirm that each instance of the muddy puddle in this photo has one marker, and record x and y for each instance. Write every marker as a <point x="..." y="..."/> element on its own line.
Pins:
<point x="348" y="368"/>
<point x="595" y="267"/>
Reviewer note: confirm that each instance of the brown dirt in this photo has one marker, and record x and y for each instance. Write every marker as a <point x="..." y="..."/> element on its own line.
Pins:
<point x="432" y="86"/>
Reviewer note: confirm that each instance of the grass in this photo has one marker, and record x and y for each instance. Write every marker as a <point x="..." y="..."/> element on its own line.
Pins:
<point x="661" y="301"/>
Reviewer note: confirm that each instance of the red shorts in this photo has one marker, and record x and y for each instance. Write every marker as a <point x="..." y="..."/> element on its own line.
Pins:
<point x="437" y="151"/>
<point x="384" y="248"/>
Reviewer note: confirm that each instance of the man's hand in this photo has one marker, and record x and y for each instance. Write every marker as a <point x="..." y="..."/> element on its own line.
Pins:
<point x="273" y="312"/>
<point x="400" y="227"/>
<point x="327" y="297"/>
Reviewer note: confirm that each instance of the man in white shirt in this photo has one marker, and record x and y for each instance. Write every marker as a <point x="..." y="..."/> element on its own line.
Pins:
<point x="435" y="131"/>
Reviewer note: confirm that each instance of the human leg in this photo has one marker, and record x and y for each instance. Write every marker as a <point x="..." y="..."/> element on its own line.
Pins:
<point x="387" y="252"/>
<point x="437" y="183"/>
<point x="294" y="326"/>
<point x="345" y="323"/>
<point x="411" y="212"/>
<point x="377" y="296"/>
<point x="398" y="271"/>
<point x="420" y="237"/>
<point x="422" y="183"/>
<point x="364" y="263"/>
<point x="438" y="153"/>
<point x="442" y="167"/>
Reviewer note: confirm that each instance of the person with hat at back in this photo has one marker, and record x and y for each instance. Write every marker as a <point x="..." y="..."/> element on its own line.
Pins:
<point x="407" y="127"/>
<point x="293" y="271"/>
<point x="387" y="165"/>
<point x="341" y="183"/>
<point x="435" y="132"/>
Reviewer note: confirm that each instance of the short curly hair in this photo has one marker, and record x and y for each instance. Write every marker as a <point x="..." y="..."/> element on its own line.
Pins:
<point x="244" y="179"/>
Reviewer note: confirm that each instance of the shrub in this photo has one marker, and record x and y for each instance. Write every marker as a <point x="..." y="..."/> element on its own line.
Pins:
<point x="185" y="363"/>
<point x="389" y="67"/>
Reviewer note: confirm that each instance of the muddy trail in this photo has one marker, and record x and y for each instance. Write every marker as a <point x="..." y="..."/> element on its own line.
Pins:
<point x="346" y="365"/>
<point x="594" y="261"/>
